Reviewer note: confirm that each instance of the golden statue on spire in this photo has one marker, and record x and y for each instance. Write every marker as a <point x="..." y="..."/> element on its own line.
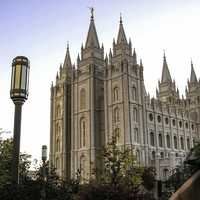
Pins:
<point x="92" y="12"/>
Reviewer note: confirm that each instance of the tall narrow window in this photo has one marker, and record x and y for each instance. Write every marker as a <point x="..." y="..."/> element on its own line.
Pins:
<point x="82" y="133"/>
<point x="175" y="142"/>
<point x="168" y="141"/>
<point x="160" y="140"/>
<point x="82" y="99"/>
<point x="117" y="134"/>
<point x="152" y="140"/>
<point x="182" y="143"/>
<point x="134" y="93"/>
<point x="136" y="135"/>
<point x="58" y="145"/>
<point x="58" y="111"/>
<point x="138" y="156"/>
<point x="188" y="143"/>
<point x="116" y="94"/>
<point x="135" y="115"/>
<point x="116" y="115"/>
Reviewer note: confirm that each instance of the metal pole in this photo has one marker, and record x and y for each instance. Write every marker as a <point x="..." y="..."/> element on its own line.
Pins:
<point x="16" y="143"/>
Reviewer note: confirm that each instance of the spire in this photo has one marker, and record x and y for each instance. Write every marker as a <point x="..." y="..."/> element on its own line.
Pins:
<point x="121" y="38"/>
<point x="67" y="61"/>
<point x="166" y="77"/>
<point x="92" y="39"/>
<point x="193" y="77"/>
<point x="134" y="57"/>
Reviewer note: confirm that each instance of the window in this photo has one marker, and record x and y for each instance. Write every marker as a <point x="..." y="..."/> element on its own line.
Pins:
<point x="166" y="120"/>
<point x="153" y="155"/>
<point x="57" y="164"/>
<point x="82" y="99"/>
<point x="116" y="115"/>
<point x="82" y="133"/>
<point x="174" y="122"/>
<point x="135" y="115"/>
<point x="116" y="94"/>
<point x="134" y="93"/>
<point x="58" y="145"/>
<point x="159" y="118"/>
<point x="58" y="111"/>
<point x="192" y="126"/>
<point x="186" y="125"/>
<point x="168" y="141"/>
<point x="117" y="134"/>
<point x="182" y="143"/>
<point x="151" y="117"/>
<point x="152" y="140"/>
<point x="136" y="135"/>
<point x="188" y="143"/>
<point x="180" y="124"/>
<point x="160" y="140"/>
<point x="161" y="155"/>
<point x="138" y="155"/>
<point x="175" y="142"/>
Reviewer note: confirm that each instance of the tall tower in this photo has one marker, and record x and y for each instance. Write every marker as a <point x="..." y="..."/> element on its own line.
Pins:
<point x="87" y="105"/>
<point x="167" y="88"/>
<point x="193" y="97"/>
<point x="60" y="119"/>
<point x="124" y="95"/>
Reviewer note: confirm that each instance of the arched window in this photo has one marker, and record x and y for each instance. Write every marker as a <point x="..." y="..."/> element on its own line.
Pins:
<point x="135" y="115"/>
<point x="117" y="134"/>
<point x="57" y="163"/>
<point x="136" y="135"/>
<point x="82" y="99"/>
<point x="188" y="143"/>
<point x="58" y="130"/>
<point x="134" y="93"/>
<point x="153" y="155"/>
<point x="160" y="140"/>
<point x="182" y="143"/>
<point x="175" y="142"/>
<point x="82" y="133"/>
<point x="116" y="94"/>
<point x="58" y="111"/>
<point x="168" y="141"/>
<point x="116" y="115"/>
<point x="58" y="145"/>
<point x="152" y="140"/>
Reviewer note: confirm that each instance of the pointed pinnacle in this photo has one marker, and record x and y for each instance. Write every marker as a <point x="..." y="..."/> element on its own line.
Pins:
<point x="120" y="20"/>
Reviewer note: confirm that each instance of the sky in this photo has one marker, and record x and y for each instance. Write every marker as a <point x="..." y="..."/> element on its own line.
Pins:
<point x="40" y="30"/>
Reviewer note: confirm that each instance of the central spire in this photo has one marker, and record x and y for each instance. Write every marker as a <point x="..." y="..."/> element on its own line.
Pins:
<point x="166" y="77"/>
<point x="193" y="77"/>
<point x="121" y="38"/>
<point x="92" y="38"/>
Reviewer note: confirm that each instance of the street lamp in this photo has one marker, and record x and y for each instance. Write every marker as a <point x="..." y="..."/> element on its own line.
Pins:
<point x="19" y="94"/>
<point x="44" y="158"/>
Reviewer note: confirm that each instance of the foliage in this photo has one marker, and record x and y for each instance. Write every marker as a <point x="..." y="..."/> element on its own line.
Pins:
<point x="121" y="173"/>
<point x="5" y="161"/>
<point x="182" y="173"/>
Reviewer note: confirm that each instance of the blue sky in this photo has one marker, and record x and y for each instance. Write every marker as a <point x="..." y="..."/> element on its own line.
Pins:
<point x="40" y="29"/>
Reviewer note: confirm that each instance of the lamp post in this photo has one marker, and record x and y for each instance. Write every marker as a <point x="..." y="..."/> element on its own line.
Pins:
<point x="44" y="158"/>
<point x="19" y="94"/>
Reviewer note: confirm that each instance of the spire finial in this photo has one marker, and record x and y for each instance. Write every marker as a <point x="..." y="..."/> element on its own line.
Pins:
<point x="67" y="45"/>
<point x="92" y="12"/>
<point x="164" y="54"/>
<point x="120" y="20"/>
<point x="191" y="62"/>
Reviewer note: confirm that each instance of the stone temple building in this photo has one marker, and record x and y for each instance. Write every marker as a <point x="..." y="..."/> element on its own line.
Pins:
<point x="105" y="95"/>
